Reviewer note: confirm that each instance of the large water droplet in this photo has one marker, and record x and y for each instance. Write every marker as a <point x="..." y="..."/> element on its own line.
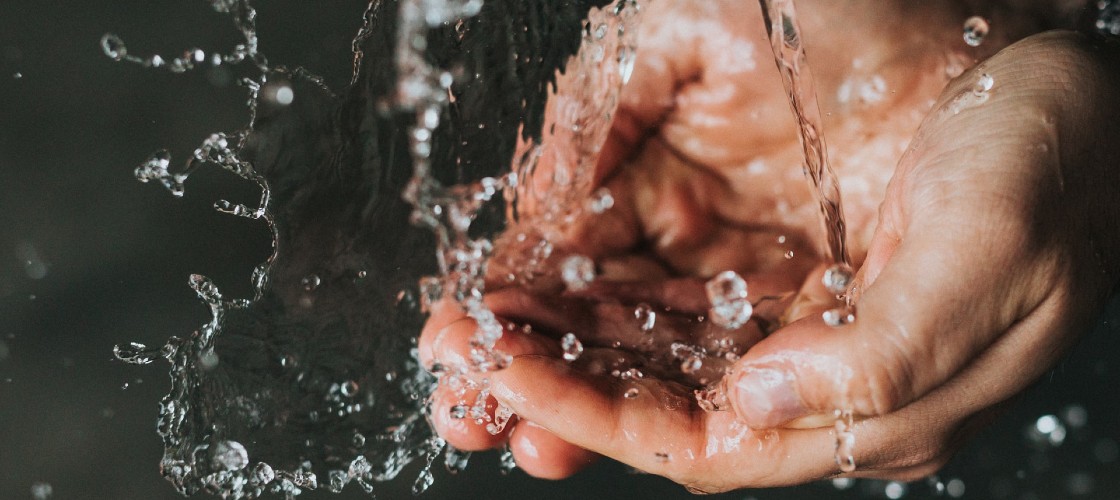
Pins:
<point x="975" y="29"/>
<point x="571" y="346"/>
<point x="837" y="279"/>
<point x="113" y="46"/>
<point x="727" y="293"/>
<point x="646" y="317"/>
<point x="230" y="455"/>
<point x="578" y="272"/>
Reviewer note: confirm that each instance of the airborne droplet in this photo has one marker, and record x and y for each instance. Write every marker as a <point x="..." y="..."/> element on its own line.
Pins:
<point x="646" y="317"/>
<point x="571" y="346"/>
<point x="113" y="46"/>
<point x="975" y="29"/>
<point x="727" y="293"/>
<point x="578" y="272"/>
<point x="230" y="455"/>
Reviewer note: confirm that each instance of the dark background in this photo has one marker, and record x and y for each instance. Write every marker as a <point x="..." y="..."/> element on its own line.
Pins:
<point x="110" y="259"/>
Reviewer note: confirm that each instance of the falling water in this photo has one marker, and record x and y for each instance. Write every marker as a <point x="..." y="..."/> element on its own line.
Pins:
<point x="789" y="54"/>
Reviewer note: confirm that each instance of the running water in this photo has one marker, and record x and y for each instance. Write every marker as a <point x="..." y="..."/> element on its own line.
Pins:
<point x="314" y="382"/>
<point x="789" y="54"/>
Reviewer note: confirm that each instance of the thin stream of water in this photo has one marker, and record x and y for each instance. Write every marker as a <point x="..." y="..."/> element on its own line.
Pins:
<point x="780" y="18"/>
<point x="789" y="54"/>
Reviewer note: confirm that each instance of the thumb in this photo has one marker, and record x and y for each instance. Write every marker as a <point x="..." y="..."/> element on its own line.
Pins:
<point x="932" y="297"/>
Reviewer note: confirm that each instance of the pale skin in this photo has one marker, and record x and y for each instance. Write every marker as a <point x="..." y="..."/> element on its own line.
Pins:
<point x="985" y="240"/>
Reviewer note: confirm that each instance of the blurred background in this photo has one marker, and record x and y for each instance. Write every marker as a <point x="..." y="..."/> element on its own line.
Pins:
<point x="89" y="258"/>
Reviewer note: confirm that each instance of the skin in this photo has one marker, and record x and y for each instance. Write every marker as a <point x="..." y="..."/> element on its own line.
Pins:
<point x="984" y="239"/>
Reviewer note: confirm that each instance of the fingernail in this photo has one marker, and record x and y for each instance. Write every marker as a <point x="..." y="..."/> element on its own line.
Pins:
<point x="766" y="398"/>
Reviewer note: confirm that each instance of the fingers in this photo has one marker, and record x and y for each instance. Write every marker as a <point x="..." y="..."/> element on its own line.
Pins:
<point x="657" y="428"/>
<point x="542" y="454"/>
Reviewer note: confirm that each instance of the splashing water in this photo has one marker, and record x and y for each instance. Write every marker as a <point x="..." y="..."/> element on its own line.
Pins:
<point x="309" y="372"/>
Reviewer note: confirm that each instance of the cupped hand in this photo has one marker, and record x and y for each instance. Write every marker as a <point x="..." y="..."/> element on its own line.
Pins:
<point x="991" y="250"/>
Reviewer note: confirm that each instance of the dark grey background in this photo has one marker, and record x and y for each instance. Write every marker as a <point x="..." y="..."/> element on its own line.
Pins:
<point x="118" y="253"/>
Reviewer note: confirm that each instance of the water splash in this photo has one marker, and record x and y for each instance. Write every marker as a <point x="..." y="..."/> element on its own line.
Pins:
<point x="323" y="353"/>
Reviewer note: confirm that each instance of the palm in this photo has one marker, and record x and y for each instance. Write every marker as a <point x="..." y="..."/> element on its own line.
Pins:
<point x="705" y="168"/>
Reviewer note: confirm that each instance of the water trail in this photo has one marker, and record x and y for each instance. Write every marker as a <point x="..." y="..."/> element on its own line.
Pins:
<point x="789" y="54"/>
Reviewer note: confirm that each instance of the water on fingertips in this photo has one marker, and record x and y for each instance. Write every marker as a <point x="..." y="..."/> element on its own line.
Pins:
<point x="381" y="197"/>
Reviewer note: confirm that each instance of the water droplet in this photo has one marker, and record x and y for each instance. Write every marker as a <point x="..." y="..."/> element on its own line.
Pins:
<point x="788" y="254"/>
<point x="358" y="440"/>
<point x="1047" y="431"/>
<point x="691" y="364"/>
<point x="230" y="455"/>
<point x="1075" y="416"/>
<point x="336" y="481"/>
<point x="983" y="84"/>
<point x="646" y="317"/>
<point x="310" y="282"/>
<point x="571" y="346"/>
<point x="600" y="201"/>
<point x="348" y="388"/>
<point x="284" y="95"/>
<point x="41" y="490"/>
<point x="458" y="412"/>
<point x="845" y="441"/>
<point x="843" y="483"/>
<point x="506" y="464"/>
<point x="955" y="488"/>
<point x="975" y="29"/>
<point x="837" y="279"/>
<point x="631" y="393"/>
<point x="455" y="459"/>
<point x="501" y="417"/>
<point x="17" y="75"/>
<point x="263" y="473"/>
<point x="578" y="272"/>
<point x="839" y="316"/>
<point x="113" y="46"/>
<point x="4" y="350"/>
<point x="135" y="353"/>
<point x="894" y="490"/>
<point x="727" y="293"/>
<point x="712" y="398"/>
<point x="600" y="31"/>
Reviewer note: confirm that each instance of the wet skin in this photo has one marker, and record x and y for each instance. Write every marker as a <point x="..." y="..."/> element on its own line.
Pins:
<point x="983" y="242"/>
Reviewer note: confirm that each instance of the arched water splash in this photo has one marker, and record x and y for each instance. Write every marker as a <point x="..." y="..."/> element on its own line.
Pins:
<point x="314" y="382"/>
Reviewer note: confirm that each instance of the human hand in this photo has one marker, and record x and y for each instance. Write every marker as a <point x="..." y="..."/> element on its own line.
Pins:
<point x="888" y="365"/>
